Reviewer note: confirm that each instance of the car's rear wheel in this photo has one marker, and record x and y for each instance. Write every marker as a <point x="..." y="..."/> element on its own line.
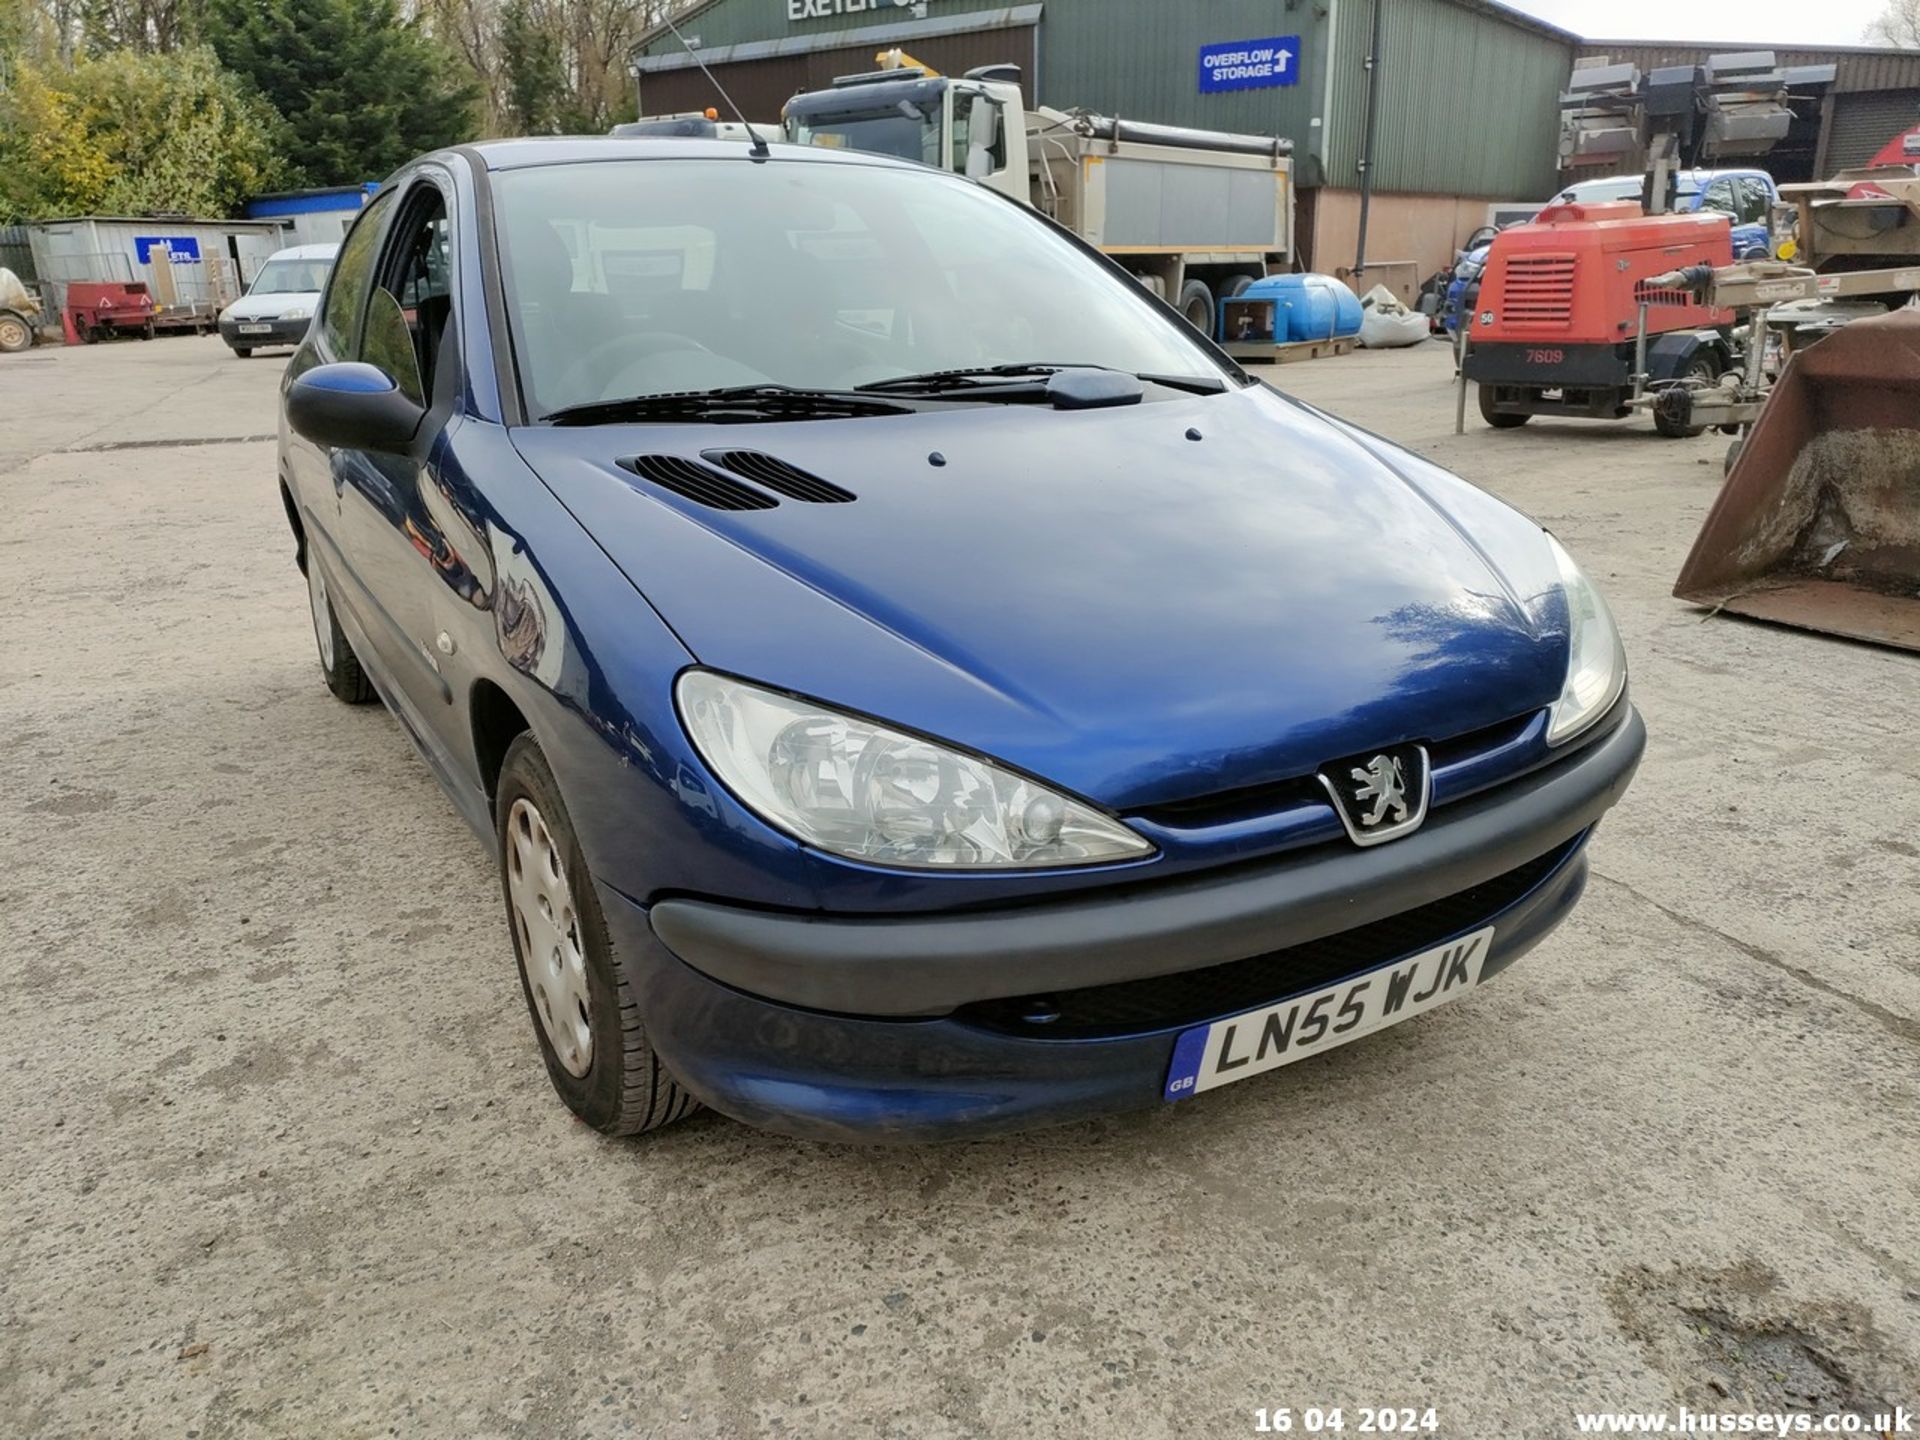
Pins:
<point x="338" y="663"/>
<point x="582" y="999"/>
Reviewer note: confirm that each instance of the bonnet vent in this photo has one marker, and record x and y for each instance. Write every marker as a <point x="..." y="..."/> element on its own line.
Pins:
<point x="776" y="474"/>
<point x="699" y="483"/>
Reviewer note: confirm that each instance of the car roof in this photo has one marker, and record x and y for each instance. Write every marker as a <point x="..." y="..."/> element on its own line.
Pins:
<point x="307" y="252"/>
<point x="571" y="149"/>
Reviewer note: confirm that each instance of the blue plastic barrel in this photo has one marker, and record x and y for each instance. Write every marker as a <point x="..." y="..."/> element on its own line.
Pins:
<point x="1308" y="307"/>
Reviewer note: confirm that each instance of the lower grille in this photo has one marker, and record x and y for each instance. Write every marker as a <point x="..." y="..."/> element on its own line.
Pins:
<point x="1195" y="995"/>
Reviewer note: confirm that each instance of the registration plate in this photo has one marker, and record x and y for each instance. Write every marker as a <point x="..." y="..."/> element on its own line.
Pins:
<point x="1208" y="1056"/>
<point x="254" y="329"/>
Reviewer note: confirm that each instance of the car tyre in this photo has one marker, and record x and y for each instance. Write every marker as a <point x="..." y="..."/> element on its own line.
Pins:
<point x="341" y="667"/>
<point x="1196" y="304"/>
<point x="243" y="351"/>
<point x="1498" y="419"/>
<point x="580" y="995"/>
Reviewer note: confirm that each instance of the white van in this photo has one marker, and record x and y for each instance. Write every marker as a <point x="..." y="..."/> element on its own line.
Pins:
<point x="279" y="306"/>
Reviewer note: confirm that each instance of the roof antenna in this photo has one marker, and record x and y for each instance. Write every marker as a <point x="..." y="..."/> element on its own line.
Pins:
<point x="759" y="149"/>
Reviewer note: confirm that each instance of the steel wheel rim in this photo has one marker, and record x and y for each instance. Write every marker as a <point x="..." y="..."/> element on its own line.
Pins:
<point x="322" y="612"/>
<point x="546" y="926"/>
<point x="13" y="333"/>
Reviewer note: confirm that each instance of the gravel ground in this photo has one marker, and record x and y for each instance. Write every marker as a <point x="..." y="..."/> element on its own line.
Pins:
<point x="277" y="1156"/>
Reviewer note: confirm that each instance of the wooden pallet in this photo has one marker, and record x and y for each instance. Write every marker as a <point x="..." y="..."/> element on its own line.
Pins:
<point x="1293" y="350"/>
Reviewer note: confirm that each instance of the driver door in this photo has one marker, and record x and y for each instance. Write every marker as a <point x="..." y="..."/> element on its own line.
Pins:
<point x="388" y="515"/>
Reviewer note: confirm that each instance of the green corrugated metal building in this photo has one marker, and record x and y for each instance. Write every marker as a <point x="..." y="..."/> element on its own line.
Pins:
<point x="1466" y="115"/>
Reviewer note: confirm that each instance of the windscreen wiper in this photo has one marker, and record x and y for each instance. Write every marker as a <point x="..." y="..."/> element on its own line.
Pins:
<point x="983" y="382"/>
<point x="738" y="404"/>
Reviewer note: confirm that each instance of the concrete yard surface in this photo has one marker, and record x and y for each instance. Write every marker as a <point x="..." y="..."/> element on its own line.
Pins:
<point x="278" y="1156"/>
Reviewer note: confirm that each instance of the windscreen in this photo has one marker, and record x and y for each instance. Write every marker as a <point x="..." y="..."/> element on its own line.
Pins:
<point x="905" y="137"/>
<point x="291" y="277"/>
<point x="641" y="277"/>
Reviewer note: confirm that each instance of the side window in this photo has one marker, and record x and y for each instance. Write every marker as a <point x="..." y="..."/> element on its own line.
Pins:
<point x="352" y="275"/>
<point x="414" y="294"/>
<point x="1754" y="200"/>
<point x="1719" y="197"/>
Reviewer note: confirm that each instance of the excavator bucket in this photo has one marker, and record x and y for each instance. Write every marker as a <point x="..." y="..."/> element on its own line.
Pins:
<point x="1818" y="524"/>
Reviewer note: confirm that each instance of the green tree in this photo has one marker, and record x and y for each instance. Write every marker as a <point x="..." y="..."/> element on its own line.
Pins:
<point x="148" y="25"/>
<point x="130" y="133"/>
<point x="362" y="90"/>
<point x="534" y="80"/>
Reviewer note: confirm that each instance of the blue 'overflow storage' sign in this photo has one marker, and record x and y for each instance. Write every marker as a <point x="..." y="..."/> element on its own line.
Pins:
<point x="1250" y="64"/>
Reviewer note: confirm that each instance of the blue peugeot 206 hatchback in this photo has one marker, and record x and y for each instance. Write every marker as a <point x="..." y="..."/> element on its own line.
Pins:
<point x="913" y="684"/>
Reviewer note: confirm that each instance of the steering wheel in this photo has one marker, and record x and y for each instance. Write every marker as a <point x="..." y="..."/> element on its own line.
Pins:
<point x="640" y="345"/>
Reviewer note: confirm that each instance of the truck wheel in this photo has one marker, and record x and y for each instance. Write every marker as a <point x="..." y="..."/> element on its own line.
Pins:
<point x="580" y="991"/>
<point x="15" y="333"/>
<point x="1498" y="419"/>
<point x="1196" y="304"/>
<point x="1703" y="369"/>
<point x="1235" y="286"/>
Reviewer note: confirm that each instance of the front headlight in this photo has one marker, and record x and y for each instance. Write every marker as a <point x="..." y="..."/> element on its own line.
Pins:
<point x="1596" y="661"/>
<point x="299" y="312"/>
<point x="870" y="793"/>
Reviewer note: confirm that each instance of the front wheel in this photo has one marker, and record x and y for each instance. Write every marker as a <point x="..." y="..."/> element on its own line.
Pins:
<point x="338" y="663"/>
<point x="579" y="993"/>
<point x="243" y="351"/>
<point x="15" y="333"/>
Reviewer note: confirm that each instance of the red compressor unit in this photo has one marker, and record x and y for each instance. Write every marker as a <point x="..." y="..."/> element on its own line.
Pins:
<point x="1556" y="329"/>
<point x="97" y="310"/>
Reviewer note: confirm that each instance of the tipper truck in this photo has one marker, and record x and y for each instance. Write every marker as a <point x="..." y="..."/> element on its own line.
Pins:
<point x="1195" y="215"/>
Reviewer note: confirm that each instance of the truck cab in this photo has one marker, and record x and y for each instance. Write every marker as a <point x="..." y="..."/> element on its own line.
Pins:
<point x="973" y="126"/>
<point x="1194" y="215"/>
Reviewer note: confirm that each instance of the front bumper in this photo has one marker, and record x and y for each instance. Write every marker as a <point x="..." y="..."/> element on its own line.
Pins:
<point x="929" y="965"/>
<point x="859" y="1028"/>
<point x="843" y="1077"/>
<point x="278" y="332"/>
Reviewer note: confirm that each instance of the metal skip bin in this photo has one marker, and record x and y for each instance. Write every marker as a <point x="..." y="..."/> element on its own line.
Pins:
<point x="1818" y="524"/>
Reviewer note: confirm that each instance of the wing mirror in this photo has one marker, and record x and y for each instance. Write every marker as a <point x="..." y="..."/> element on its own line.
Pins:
<point x="350" y="405"/>
<point x="983" y="137"/>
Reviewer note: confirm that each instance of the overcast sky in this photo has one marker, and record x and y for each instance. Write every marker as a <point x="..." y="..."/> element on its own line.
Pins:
<point x="1780" y="22"/>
